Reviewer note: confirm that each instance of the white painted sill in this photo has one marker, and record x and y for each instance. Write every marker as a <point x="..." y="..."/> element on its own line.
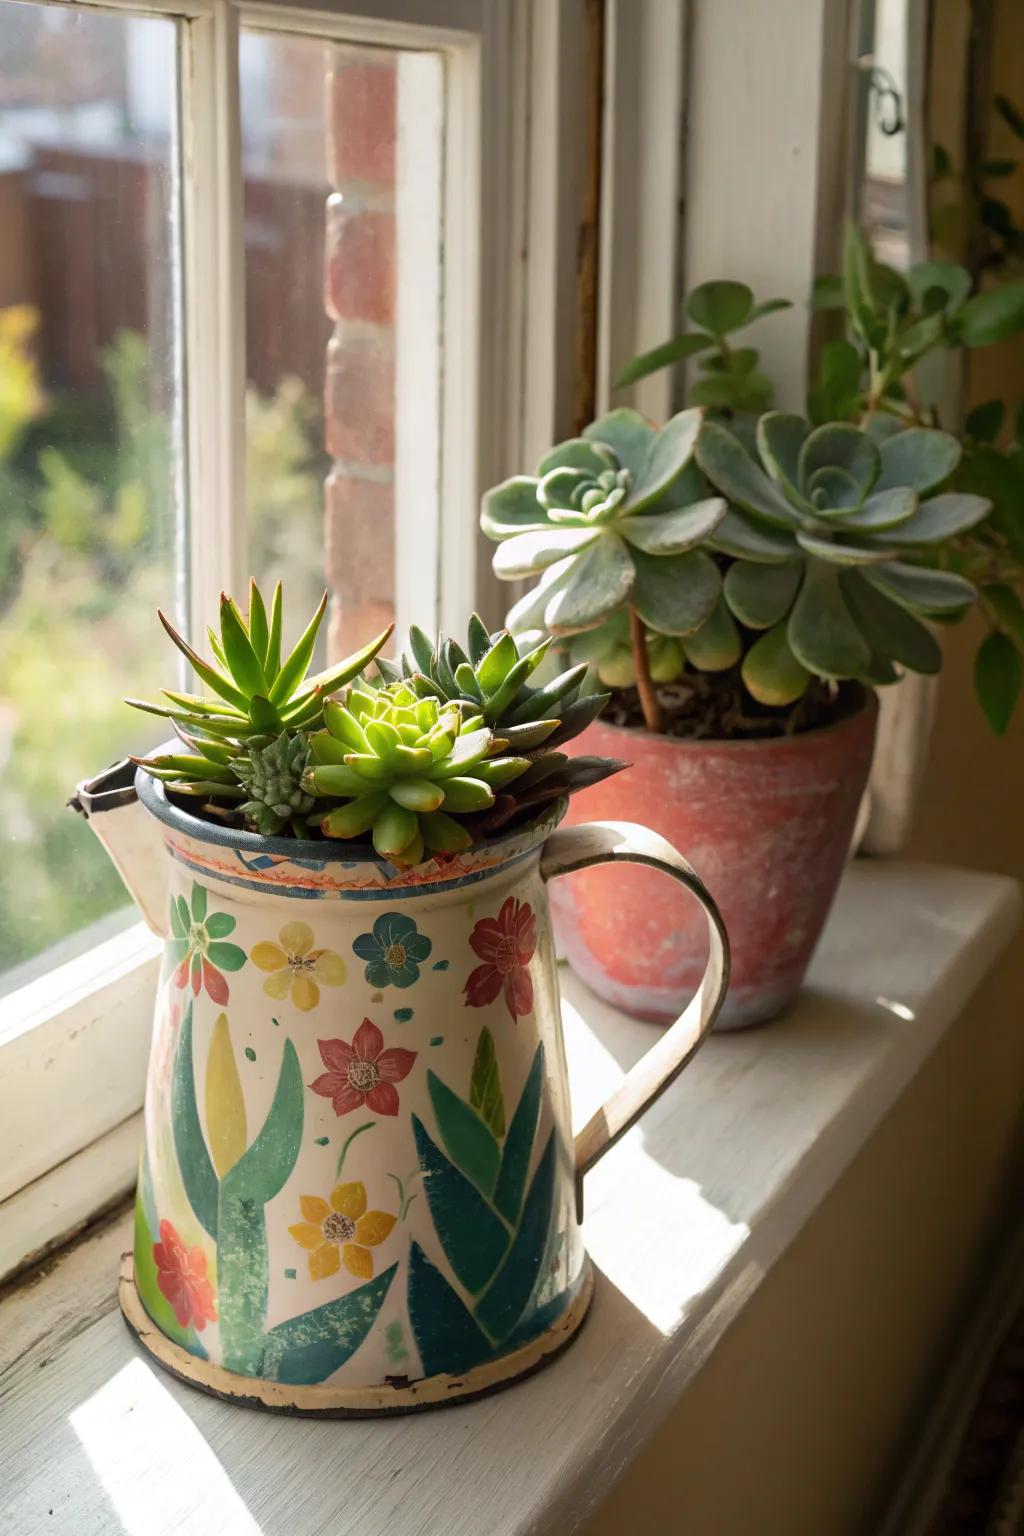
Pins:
<point x="684" y="1219"/>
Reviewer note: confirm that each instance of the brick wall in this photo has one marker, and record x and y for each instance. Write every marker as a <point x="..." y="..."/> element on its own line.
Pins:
<point x="359" y="395"/>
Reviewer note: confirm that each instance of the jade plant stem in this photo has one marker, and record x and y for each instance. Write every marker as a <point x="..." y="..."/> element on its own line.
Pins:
<point x="654" y="717"/>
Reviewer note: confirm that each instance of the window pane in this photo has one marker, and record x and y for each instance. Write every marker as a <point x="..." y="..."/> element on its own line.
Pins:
<point x="342" y="150"/>
<point x="88" y="410"/>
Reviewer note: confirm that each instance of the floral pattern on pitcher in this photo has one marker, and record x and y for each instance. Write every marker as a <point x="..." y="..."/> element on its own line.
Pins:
<point x="394" y="951"/>
<point x="340" y="1230"/>
<point x="506" y="945"/>
<point x="197" y="949"/>
<point x="297" y="969"/>
<point x="363" y="1072"/>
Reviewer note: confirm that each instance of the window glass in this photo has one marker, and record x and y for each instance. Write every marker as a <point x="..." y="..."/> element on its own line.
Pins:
<point x="342" y="156"/>
<point x="89" y="408"/>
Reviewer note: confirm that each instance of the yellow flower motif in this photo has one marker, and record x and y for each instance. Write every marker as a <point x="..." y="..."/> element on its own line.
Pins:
<point x="340" y="1231"/>
<point x="296" y="967"/>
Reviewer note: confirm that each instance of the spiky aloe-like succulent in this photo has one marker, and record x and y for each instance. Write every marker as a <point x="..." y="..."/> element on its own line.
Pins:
<point x="272" y="777"/>
<point x="611" y="518"/>
<point x="818" y="529"/>
<point x="491" y="677"/>
<point x="254" y="696"/>
<point x="408" y="768"/>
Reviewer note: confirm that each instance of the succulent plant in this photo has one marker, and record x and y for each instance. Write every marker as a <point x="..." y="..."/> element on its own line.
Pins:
<point x="490" y="677"/>
<point x="272" y="778"/>
<point x="408" y="768"/>
<point x="817" y="531"/>
<point x="612" y="518"/>
<point x="256" y="695"/>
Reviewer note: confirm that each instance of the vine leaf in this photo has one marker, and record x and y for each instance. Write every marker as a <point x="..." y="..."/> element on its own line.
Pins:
<point x="485" y="1085"/>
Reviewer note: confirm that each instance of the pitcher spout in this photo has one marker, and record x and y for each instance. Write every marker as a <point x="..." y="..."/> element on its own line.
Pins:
<point x="131" y="837"/>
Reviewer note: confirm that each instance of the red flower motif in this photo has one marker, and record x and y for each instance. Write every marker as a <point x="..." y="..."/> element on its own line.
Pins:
<point x="181" y="1275"/>
<point x="505" y="944"/>
<point x="363" y="1072"/>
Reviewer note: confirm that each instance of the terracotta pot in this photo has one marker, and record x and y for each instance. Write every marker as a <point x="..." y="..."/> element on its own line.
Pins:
<point x="767" y="825"/>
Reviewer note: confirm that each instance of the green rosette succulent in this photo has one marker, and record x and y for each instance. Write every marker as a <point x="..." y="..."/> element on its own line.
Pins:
<point x="255" y="697"/>
<point x="611" y="519"/>
<point x="272" y="779"/>
<point x="409" y="770"/>
<point x="491" y="677"/>
<point x="823" y="528"/>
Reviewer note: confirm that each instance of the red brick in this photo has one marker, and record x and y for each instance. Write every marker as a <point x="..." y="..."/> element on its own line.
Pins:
<point x="359" y="554"/>
<point x="361" y="121"/>
<point x="360" y="264"/>
<point x="359" y="399"/>
<point x="353" y="627"/>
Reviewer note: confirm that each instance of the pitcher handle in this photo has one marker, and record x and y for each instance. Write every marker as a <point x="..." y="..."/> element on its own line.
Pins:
<point x="609" y="842"/>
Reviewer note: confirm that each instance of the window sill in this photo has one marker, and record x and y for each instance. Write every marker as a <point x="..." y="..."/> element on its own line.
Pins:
<point x="684" y="1219"/>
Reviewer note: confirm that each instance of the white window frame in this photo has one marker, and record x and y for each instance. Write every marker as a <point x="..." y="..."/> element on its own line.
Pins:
<point x="74" y="1043"/>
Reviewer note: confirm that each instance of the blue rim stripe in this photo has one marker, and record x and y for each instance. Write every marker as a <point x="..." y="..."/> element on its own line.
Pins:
<point x="376" y="893"/>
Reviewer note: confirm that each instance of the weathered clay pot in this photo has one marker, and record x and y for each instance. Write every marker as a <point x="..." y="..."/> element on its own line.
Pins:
<point x="768" y="826"/>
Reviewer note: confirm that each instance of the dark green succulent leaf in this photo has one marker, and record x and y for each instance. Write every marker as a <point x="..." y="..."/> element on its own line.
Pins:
<point x="731" y="469"/>
<point x="667" y="456"/>
<point x="892" y="632"/>
<point x="840" y="551"/>
<point x="576" y="453"/>
<point x="576" y="717"/>
<point x="741" y="537"/>
<point x="952" y="281"/>
<point x="883" y="509"/>
<point x="626" y="433"/>
<point x="478" y="639"/>
<point x="838" y="445"/>
<point x="920" y="458"/>
<point x="827" y="293"/>
<point x="512" y="507"/>
<point x="917" y="339"/>
<point x="674" y="594"/>
<point x="716" y="645"/>
<point x="997" y="679"/>
<point x="758" y="595"/>
<point x="920" y="589"/>
<point x="672" y="531"/>
<point x="211" y="677"/>
<point x="985" y="422"/>
<point x="991" y="316"/>
<point x="768" y="307"/>
<point x="1007" y="610"/>
<point x="770" y="671"/>
<point x="835" y="394"/>
<point x="669" y="353"/>
<point x="494" y="665"/>
<point x="720" y="306"/>
<point x="542" y="703"/>
<point x="526" y="553"/>
<point x="599" y="581"/>
<point x="822" y="632"/>
<point x="780" y="437"/>
<point x="942" y="517"/>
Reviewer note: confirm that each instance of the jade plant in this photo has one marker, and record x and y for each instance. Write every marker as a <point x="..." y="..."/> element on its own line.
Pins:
<point x="423" y="760"/>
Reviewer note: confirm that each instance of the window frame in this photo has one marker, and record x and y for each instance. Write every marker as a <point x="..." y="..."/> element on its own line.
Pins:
<point x="74" y="1042"/>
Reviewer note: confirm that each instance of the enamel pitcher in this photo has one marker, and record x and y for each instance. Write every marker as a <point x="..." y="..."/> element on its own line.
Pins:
<point x="359" y="1190"/>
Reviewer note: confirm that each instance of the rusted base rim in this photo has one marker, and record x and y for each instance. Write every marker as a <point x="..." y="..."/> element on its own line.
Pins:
<point x="329" y="1402"/>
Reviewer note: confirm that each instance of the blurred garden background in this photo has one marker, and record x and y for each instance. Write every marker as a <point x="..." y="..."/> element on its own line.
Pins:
<point x="92" y="506"/>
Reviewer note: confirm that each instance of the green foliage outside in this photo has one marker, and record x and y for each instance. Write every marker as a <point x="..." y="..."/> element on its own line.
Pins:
<point x="89" y="547"/>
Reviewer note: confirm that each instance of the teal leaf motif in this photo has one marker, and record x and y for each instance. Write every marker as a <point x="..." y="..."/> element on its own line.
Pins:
<point x="199" y="896"/>
<point x="447" y="1337"/>
<point x="467" y="1140"/>
<point x="485" y="1084"/>
<point x="506" y="1298"/>
<point x="515" y="1161"/>
<point x="309" y="1348"/>
<point x="197" y="1171"/>
<point x="242" y="1279"/>
<point x="227" y="957"/>
<point x="265" y="1167"/>
<point x="473" y="1237"/>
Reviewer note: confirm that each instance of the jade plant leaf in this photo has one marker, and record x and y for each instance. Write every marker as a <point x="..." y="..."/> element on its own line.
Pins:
<point x="771" y="672"/>
<point x="939" y="518"/>
<point x="600" y="581"/>
<point x="728" y="466"/>
<point x="759" y="595"/>
<point x="913" y="586"/>
<point x="920" y="457"/>
<point x="675" y="594"/>
<point x="626" y="433"/>
<point x="671" y="532"/>
<point x="889" y="629"/>
<point x="822" y="633"/>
